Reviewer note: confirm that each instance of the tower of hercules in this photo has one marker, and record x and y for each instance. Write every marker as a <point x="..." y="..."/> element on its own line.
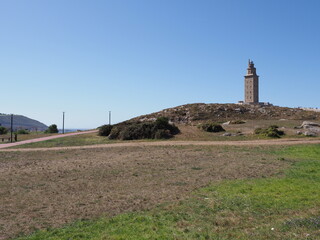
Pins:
<point x="251" y="82"/>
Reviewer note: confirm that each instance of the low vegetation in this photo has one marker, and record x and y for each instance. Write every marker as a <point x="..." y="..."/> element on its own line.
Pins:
<point x="159" y="129"/>
<point x="3" y="130"/>
<point x="282" y="207"/>
<point x="237" y="122"/>
<point x="105" y="130"/>
<point x="272" y="131"/>
<point x="52" y="129"/>
<point x="22" y="131"/>
<point x="211" y="127"/>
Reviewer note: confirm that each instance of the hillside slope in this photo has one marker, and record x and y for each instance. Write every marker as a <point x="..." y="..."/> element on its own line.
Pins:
<point x="201" y="112"/>
<point x="21" y="122"/>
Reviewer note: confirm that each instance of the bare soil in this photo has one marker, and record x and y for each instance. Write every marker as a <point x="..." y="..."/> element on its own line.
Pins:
<point x="40" y="189"/>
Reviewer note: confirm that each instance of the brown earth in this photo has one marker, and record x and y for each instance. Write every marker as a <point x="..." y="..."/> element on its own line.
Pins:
<point x="40" y="189"/>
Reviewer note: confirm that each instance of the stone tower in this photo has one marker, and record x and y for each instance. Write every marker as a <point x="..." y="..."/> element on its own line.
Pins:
<point x="251" y="82"/>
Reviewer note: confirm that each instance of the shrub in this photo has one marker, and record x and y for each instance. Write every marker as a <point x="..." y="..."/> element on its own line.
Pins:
<point x="3" y="130"/>
<point x="136" y="131"/>
<point x="211" y="127"/>
<point x="115" y="131"/>
<point x="163" y="123"/>
<point x="105" y="130"/>
<point x="258" y="131"/>
<point x="159" y="129"/>
<point x="271" y="131"/>
<point x="162" y="134"/>
<point x="237" y="122"/>
<point x="52" y="129"/>
<point x="23" y="131"/>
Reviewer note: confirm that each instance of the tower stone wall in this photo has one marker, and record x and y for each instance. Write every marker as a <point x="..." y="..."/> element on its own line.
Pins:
<point x="251" y="82"/>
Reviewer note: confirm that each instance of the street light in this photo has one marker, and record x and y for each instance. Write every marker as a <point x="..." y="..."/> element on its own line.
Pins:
<point x="11" y="126"/>
<point x="109" y="117"/>
<point x="63" y="123"/>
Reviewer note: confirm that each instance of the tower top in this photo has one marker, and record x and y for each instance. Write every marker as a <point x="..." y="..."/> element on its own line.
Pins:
<point x="251" y="70"/>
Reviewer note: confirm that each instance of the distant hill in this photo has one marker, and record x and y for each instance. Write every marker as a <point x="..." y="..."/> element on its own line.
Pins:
<point x="201" y="112"/>
<point x="21" y="122"/>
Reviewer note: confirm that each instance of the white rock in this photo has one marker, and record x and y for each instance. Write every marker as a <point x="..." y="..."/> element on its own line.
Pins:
<point x="227" y="134"/>
<point x="310" y="134"/>
<point x="307" y="124"/>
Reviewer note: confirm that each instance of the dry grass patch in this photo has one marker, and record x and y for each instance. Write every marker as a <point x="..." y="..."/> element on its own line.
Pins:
<point x="49" y="189"/>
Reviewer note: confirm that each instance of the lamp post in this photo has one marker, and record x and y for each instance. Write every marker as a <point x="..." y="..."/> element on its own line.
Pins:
<point x="109" y="117"/>
<point x="11" y="126"/>
<point x="63" y="123"/>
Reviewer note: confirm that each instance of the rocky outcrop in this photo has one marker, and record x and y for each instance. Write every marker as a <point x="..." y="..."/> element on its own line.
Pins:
<point x="201" y="112"/>
<point x="312" y="129"/>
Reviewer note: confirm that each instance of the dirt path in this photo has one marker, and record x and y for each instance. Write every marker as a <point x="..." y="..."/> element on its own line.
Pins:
<point x="171" y="143"/>
<point x="7" y="145"/>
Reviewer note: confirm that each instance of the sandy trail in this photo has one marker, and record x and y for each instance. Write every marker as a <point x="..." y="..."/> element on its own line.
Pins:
<point x="167" y="143"/>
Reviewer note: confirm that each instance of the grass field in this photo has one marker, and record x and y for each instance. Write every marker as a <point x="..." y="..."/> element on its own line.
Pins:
<point x="22" y="137"/>
<point x="187" y="133"/>
<point x="77" y="140"/>
<point x="190" y="192"/>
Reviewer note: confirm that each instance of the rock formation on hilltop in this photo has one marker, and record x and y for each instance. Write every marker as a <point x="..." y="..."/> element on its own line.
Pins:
<point x="201" y="112"/>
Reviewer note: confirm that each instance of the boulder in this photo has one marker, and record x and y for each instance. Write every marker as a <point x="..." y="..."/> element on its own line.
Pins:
<point x="227" y="134"/>
<point x="310" y="134"/>
<point x="307" y="124"/>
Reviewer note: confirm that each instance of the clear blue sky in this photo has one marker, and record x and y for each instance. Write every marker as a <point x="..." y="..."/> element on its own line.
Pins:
<point x="134" y="57"/>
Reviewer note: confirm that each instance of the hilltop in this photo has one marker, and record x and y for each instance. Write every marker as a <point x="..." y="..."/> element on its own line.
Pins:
<point x="201" y="112"/>
<point x="21" y="122"/>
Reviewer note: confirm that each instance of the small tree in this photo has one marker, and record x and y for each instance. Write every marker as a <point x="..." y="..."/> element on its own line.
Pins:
<point x="52" y="129"/>
<point x="22" y="131"/>
<point x="3" y="130"/>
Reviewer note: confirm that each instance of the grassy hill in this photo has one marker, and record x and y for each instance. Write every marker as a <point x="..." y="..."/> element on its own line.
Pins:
<point x="201" y="112"/>
<point x="21" y="122"/>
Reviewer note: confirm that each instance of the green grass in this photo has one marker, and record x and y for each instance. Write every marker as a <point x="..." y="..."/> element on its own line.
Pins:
<point x="77" y="140"/>
<point x="284" y="207"/>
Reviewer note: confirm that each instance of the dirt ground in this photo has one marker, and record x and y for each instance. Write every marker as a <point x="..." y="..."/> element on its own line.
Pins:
<point x="40" y="189"/>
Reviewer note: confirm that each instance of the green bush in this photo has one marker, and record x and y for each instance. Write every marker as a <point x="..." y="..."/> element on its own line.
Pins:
<point x="159" y="129"/>
<point x="115" y="132"/>
<point x="237" y="122"/>
<point x="136" y="131"/>
<point x="211" y="127"/>
<point x="162" y="134"/>
<point x="52" y="129"/>
<point x="23" y="131"/>
<point x="105" y="130"/>
<point x="271" y="131"/>
<point x="163" y="123"/>
<point x="3" y="130"/>
<point x="258" y="131"/>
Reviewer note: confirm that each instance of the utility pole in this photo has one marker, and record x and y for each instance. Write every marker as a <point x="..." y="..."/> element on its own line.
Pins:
<point x="63" y="123"/>
<point x="109" y="117"/>
<point x="11" y="126"/>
